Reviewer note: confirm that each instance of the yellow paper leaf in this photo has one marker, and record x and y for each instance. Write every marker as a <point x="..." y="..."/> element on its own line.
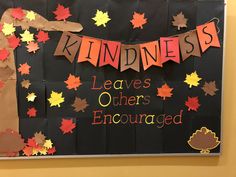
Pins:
<point x="48" y="144"/>
<point x="35" y="151"/>
<point x="43" y="151"/>
<point x="30" y="15"/>
<point x="101" y="18"/>
<point x="8" y="29"/>
<point x="31" y="97"/>
<point x="27" y="37"/>
<point x="192" y="79"/>
<point x="56" y="99"/>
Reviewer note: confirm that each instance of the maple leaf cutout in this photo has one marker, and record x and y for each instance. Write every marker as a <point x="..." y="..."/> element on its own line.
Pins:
<point x="180" y="21"/>
<point x="56" y="99"/>
<point x="2" y="84"/>
<point x="67" y="126"/>
<point x="27" y="37"/>
<point x="79" y="104"/>
<point x="18" y="13"/>
<point x="4" y="53"/>
<point x="32" y="112"/>
<point x="31" y="142"/>
<point x="210" y="88"/>
<point x="28" y="151"/>
<point x="8" y="29"/>
<point x="24" y="69"/>
<point x="52" y="151"/>
<point x="192" y="103"/>
<point x="192" y="79"/>
<point x="138" y="20"/>
<point x="42" y="36"/>
<point x="39" y="138"/>
<point x="101" y="18"/>
<point x="62" y="13"/>
<point x="165" y="92"/>
<point x="25" y="84"/>
<point x="30" y="15"/>
<point x="48" y="144"/>
<point x="31" y="97"/>
<point x="32" y="47"/>
<point x="13" y="42"/>
<point x="73" y="82"/>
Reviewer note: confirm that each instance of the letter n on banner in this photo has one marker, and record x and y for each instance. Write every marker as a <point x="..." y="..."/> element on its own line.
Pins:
<point x="68" y="46"/>
<point x="150" y="53"/>
<point x="130" y="57"/>
<point x="208" y="36"/>
<point x="110" y="54"/>
<point x="89" y="50"/>
<point x="170" y="49"/>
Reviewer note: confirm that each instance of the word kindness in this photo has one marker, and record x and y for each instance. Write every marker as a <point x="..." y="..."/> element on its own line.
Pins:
<point x="102" y="52"/>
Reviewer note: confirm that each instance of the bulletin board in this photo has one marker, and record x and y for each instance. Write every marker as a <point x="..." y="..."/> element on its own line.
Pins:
<point x="111" y="78"/>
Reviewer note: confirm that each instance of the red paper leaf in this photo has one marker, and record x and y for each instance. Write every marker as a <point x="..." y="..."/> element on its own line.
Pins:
<point x="138" y="20"/>
<point x="62" y="13"/>
<point x="2" y="84"/>
<point x="32" y="47"/>
<point x="4" y="53"/>
<point x="32" y="143"/>
<point x="67" y="126"/>
<point x="13" y="41"/>
<point x="24" y="69"/>
<point x="51" y="151"/>
<point x="192" y="103"/>
<point x="1" y="27"/>
<point x="28" y="151"/>
<point x="32" y="112"/>
<point x="42" y="36"/>
<point x="18" y="13"/>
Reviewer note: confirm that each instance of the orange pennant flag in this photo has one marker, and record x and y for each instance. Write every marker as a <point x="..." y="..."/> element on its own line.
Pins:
<point x="110" y="54"/>
<point x="150" y="53"/>
<point x="89" y="50"/>
<point x="208" y="36"/>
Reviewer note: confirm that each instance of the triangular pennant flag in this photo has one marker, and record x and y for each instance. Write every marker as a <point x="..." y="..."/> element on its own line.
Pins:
<point x="89" y="50"/>
<point x="130" y="57"/>
<point x="110" y="53"/>
<point x="170" y="49"/>
<point x="150" y="53"/>
<point x="189" y="45"/>
<point x="208" y="36"/>
<point x="68" y="46"/>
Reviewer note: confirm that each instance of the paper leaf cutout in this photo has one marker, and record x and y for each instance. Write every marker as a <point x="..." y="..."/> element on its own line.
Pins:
<point x="31" y="97"/>
<point x="192" y="104"/>
<point x="39" y="138"/>
<point x="4" y="53"/>
<point x="32" y="47"/>
<point x="180" y="21"/>
<point x="42" y="36"/>
<point x="56" y="99"/>
<point x="165" y="92"/>
<point x="138" y="20"/>
<point x="25" y="84"/>
<point x="73" y="82"/>
<point x="101" y="18"/>
<point x="28" y="151"/>
<point x="210" y="88"/>
<point x="18" y="13"/>
<point x="67" y="126"/>
<point x="204" y="140"/>
<point x="62" y="13"/>
<point x="32" y="112"/>
<point x="1" y="27"/>
<point x="31" y="142"/>
<point x="48" y="144"/>
<point x="30" y="15"/>
<point x="79" y="104"/>
<point x="13" y="41"/>
<point x="27" y="36"/>
<point x="2" y="84"/>
<point x="24" y="69"/>
<point x="8" y="29"/>
<point x="51" y="151"/>
<point x="192" y="79"/>
<point x="11" y="142"/>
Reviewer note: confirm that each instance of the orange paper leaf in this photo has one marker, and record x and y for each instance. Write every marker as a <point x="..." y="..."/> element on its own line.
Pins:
<point x="32" y="47"/>
<point x="165" y="91"/>
<point x="24" y="69"/>
<point x="73" y="82"/>
<point x="138" y="20"/>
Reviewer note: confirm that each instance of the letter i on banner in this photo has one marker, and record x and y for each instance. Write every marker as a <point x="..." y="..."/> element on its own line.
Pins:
<point x="208" y="36"/>
<point x="110" y="54"/>
<point x="150" y="53"/>
<point x="89" y="50"/>
<point x="130" y="57"/>
<point x="68" y="46"/>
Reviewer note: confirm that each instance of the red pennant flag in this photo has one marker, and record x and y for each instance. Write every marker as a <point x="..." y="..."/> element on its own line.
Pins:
<point x="170" y="49"/>
<point x="208" y="36"/>
<point x="150" y="53"/>
<point x="110" y="54"/>
<point x="89" y="50"/>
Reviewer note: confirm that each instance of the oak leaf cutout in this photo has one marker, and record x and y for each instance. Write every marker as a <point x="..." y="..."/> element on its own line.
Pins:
<point x="180" y="21"/>
<point x="192" y="103"/>
<point x="192" y="79"/>
<point x="204" y="140"/>
<point x="67" y="126"/>
<point x="24" y="69"/>
<point x="62" y="13"/>
<point x="73" y="82"/>
<point x="32" y="47"/>
<point x="165" y="91"/>
<point x="210" y="88"/>
<point x="138" y="20"/>
<point x="79" y="104"/>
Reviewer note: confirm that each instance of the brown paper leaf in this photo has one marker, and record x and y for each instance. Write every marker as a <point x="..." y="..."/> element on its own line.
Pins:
<point x="180" y="21"/>
<point x="25" y="84"/>
<point x="80" y="104"/>
<point x="39" y="138"/>
<point x="210" y="88"/>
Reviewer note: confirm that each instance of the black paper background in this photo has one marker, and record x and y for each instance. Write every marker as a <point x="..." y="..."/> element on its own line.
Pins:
<point x="49" y="73"/>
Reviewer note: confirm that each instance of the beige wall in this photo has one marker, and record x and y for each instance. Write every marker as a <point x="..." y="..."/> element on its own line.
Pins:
<point x="224" y="166"/>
